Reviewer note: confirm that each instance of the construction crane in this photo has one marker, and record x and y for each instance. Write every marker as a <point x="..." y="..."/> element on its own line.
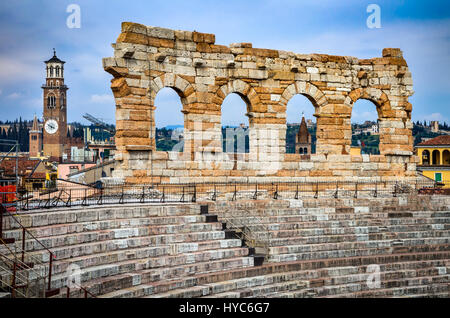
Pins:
<point x="99" y="123"/>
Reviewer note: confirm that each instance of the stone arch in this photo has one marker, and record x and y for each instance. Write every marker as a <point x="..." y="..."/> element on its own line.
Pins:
<point x="180" y="85"/>
<point x="310" y="91"/>
<point x="374" y="95"/>
<point x="247" y="93"/>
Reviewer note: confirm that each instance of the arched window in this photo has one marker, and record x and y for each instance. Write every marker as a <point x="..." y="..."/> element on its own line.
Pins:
<point x="57" y="71"/>
<point x="51" y="101"/>
<point x="364" y="123"/>
<point x="446" y="157"/>
<point x="426" y="157"/>
<point x="169" y="121"/>
<point x="51" y="71"/>
<point x="436" y="154"/>
<point x="298" y="107"/>
<point x="235" y="124"/>
<point x="305" y="151"/>
<point x="301" y="151"/>
<point x="62" y="101"/>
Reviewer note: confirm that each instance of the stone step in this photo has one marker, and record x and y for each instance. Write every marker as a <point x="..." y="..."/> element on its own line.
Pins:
<point x="304" y="248"/>
<point x="339" y="231"/>
<point x="260" y="286"/>
<point x="110" y="234"/>
<point x="318" y="239"/>
<point x="68" y="228"/>
<point x="355" y="252"/>
<point x="149" y="260"/>
<point x="330" y="213"/>
<point x="291" y="270"/>
<point x="356" y="228"/>
<point x="299" y="218"/>
<point x="392" y="288"/>
<point x="288" y="224"/>
<point x="37" y="218"/>
<point x="256" y="291"/>
<point x="73" y="251"/>
<point x="106" y="274"/>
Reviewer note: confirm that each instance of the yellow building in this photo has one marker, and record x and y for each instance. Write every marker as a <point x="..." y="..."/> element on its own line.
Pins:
<point x="434" y="159"/>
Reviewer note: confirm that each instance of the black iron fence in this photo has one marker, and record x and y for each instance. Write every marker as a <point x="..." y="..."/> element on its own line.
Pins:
<point x="164" y="193"/>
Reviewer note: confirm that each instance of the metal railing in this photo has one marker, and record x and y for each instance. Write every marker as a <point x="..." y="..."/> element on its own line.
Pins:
<point x="82" y="290"/>
<point x="256" y="235"/>
<point x="27" y="260"/>
<point x="193" y="192"/>
<point x="23" y="279"/>
<point x="23" y="273"/>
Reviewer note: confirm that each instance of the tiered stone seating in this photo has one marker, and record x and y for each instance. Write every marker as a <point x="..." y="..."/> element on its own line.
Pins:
<point x="316" y="248"/>
<point x="121" y="246"/>
<point x="318" y="233"/>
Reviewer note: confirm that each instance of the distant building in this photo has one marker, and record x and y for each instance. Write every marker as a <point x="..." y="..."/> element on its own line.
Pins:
<point x="434" y="156"/>
<point x="375" y="129"/>
<point x="434" y="126"/>
<point x="303" y="139"/>
<point x="32" y="173"/>
<point x="35" y="139"/>
<point x="93" y="174"/>
<point x="55" y="109"/>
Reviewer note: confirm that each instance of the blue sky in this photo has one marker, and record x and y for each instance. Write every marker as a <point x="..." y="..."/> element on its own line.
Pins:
<point x="29" y="29"/>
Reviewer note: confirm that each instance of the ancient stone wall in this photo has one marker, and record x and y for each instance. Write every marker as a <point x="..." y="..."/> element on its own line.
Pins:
<point x="147" y="59"/>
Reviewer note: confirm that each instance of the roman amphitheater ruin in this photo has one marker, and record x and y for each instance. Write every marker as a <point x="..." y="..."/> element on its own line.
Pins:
<point x="147" y="59"/>
<point x="206" y="223"/>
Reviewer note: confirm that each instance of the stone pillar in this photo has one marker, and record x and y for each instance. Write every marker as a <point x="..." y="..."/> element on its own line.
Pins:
<point x="334" y="132"/>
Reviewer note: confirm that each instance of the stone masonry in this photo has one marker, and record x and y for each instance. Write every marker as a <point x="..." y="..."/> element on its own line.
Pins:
<point x="146" y="59"/>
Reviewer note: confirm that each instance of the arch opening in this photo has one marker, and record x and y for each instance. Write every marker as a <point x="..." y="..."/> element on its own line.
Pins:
<point x="436" y="157"/>
<point x="426" y="157"/>
<point x="365" y="128"/>
<point x="168" y="129"/>
<point x="235" y="124"/>
<point x="446" y="157"/>
<point x="301" y="125"/>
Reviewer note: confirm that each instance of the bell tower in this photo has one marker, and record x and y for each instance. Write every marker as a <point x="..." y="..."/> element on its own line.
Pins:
<point x="303" y="139"/>
<point x="35" y="139"/>
<point x="55" y="109"/>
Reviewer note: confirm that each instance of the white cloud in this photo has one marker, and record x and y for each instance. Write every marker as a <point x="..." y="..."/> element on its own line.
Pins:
<point x="15" y="70"/>
<point x="102" y="99"/>
<point x="14" y="95"/>
<point x="435" y="116"/>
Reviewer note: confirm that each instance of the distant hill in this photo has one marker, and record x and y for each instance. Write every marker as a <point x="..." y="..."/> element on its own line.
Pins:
<point x="172" y="127"/>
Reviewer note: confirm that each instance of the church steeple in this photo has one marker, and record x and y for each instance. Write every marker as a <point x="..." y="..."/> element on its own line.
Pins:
<point x="303" y="139"/>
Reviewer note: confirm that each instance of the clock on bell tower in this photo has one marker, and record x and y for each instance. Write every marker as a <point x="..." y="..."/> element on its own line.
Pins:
<point x="55" y="109"/>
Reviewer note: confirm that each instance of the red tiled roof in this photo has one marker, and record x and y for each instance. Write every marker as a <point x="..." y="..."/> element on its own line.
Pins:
<point x="442" y="140"/>
<point x="25" y="166"/>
